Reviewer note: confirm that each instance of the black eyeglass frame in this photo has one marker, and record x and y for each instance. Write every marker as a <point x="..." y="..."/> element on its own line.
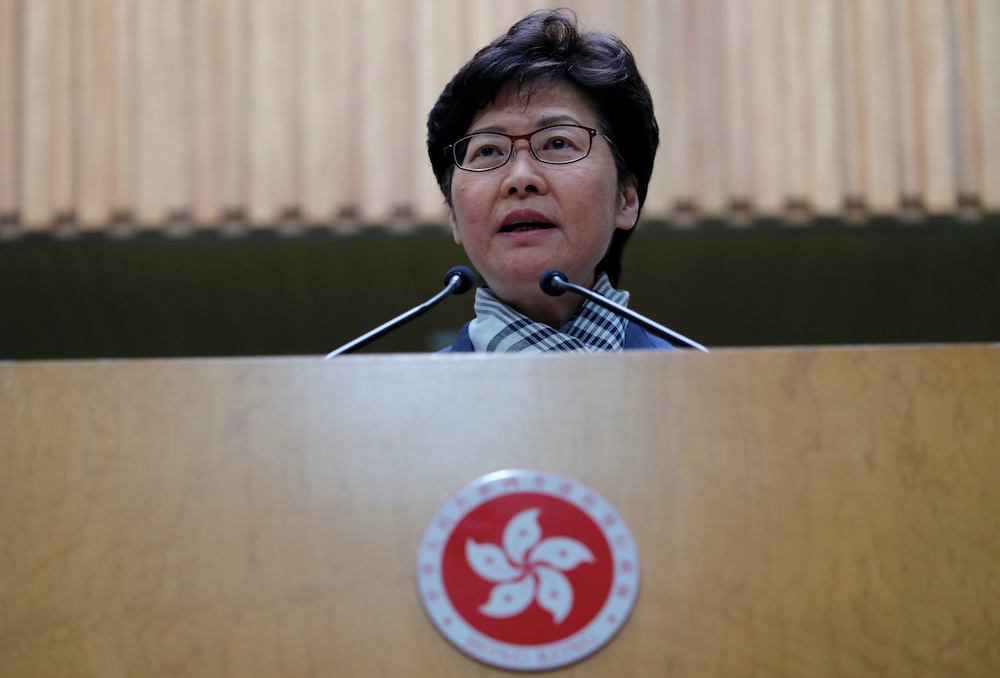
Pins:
<point x="449" y="150"/>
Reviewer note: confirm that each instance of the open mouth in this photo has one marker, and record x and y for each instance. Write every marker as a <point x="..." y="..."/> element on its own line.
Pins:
<point x="522" y="226"/>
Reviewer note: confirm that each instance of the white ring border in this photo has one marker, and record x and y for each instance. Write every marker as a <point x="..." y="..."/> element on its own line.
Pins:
<point x="580" y="645"/>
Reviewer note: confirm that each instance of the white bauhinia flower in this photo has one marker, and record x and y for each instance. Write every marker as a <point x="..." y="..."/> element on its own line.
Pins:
<point x="527" y="568"/>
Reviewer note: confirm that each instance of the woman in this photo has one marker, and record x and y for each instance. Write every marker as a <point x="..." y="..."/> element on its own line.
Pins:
<point x="543" y="146"/>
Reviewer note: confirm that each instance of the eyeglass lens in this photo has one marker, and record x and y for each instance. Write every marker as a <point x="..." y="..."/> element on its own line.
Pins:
<point x="557" y="145"/>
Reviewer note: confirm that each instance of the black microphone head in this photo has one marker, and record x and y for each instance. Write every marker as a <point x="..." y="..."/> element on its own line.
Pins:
<point x="549" y="282"/>
<point x="465" y="279"/>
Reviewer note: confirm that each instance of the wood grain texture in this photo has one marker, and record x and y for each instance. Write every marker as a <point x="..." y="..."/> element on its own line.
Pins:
<point x="798" y="513"/>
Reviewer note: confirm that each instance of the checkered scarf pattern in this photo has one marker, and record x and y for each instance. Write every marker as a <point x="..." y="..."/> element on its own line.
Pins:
<point x="499" y="328"/>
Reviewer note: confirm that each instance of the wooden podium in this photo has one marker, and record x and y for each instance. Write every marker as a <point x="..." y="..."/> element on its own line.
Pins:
<point x="829" y="512"/>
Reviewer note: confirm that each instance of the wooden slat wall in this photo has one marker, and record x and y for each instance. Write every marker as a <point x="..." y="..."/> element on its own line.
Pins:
<point x="172" y="114"/>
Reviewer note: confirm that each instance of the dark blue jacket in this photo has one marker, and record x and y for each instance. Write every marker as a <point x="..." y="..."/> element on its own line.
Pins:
<point x="635" y="338"/>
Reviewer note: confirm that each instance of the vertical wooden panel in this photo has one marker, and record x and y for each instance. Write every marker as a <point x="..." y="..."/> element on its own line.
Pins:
<point x="825" y="191"/>
<point x="793" y="109"/>
<point x="767" y="129"/>
<point x="433" y="69"/>
<point x="988" y="40"/>
<point x="376" y="138"/>
<point x="648" y="51"/>
<point x="908" y="157"/>
<point x="881" y="187"/>
<point x="936" y="103"/>
<point x="738" y="97"/>
<point x="218" y="46"/>
<point x="165" y="166"/>
<point x="48" y="111"/>
<point x="331" y="67"/>
<point x="274" y="110"/>
<point x="208" y="44"/>
<point x="851" y="107"/>
<point x="968" y="139"/>
<point x="10" y="119"/>
<point x="710" y="133"/>
<point x="677" y="193"/>
<point x="105" y="113"/>
<point x="65" y="111"/>
<point x="387" y="100"/>
<point x="127" y="72"/>
<point x="400" y="119"/>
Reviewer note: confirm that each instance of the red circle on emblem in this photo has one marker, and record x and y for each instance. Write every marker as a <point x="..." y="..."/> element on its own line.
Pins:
<point x="533" y="546"/>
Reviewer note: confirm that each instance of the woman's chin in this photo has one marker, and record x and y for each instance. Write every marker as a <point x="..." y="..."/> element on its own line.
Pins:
<point x="523" y="279"/>
<point x="529" y="266"/>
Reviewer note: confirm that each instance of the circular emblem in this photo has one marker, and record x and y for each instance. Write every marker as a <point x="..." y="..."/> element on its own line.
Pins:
<point x="527" y="570"/>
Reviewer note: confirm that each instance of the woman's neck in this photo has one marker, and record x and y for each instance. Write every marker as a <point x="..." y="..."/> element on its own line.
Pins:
<point x="552" y="311"/>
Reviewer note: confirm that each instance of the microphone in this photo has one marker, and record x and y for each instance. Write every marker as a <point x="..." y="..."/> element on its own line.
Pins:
<point x="554" y="283"/>
<point x="457" y="281"/>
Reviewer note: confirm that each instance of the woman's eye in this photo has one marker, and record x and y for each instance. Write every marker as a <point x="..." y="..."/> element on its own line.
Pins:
<point x="562" y="144"/>
<point x="486" y="152"/>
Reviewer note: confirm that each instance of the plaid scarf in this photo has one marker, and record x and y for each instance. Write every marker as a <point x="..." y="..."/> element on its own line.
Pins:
<point x="501" y="329"/>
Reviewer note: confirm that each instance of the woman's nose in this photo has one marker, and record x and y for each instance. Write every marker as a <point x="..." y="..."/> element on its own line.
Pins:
<point x="524" y="171"/>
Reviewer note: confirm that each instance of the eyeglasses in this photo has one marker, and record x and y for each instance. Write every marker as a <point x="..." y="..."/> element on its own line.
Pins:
<point x="555" y="145"/>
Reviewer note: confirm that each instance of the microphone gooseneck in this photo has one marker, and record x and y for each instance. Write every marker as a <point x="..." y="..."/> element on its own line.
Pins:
<point x="555" y="283"/>
<point x="457" y="281"/>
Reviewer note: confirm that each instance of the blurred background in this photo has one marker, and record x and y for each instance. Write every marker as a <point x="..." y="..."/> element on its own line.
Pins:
<point x="248" y="177"/>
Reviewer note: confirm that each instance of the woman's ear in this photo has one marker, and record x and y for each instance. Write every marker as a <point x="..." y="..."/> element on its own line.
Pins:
<point x="628" y="208"/>
<point x="453" y="222"/>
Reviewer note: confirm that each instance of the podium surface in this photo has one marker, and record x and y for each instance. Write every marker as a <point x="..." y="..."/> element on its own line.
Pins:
<point x="822" y="512"/>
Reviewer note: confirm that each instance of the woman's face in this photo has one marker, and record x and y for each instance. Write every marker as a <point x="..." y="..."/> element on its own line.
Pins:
<point x="567" y="213"/>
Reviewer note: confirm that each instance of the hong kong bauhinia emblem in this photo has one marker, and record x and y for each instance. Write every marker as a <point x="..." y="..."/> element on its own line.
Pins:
<point x="527" y="570"/>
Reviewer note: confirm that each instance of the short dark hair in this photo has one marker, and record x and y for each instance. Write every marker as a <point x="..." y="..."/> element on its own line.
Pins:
<point x="546" y="46"/>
